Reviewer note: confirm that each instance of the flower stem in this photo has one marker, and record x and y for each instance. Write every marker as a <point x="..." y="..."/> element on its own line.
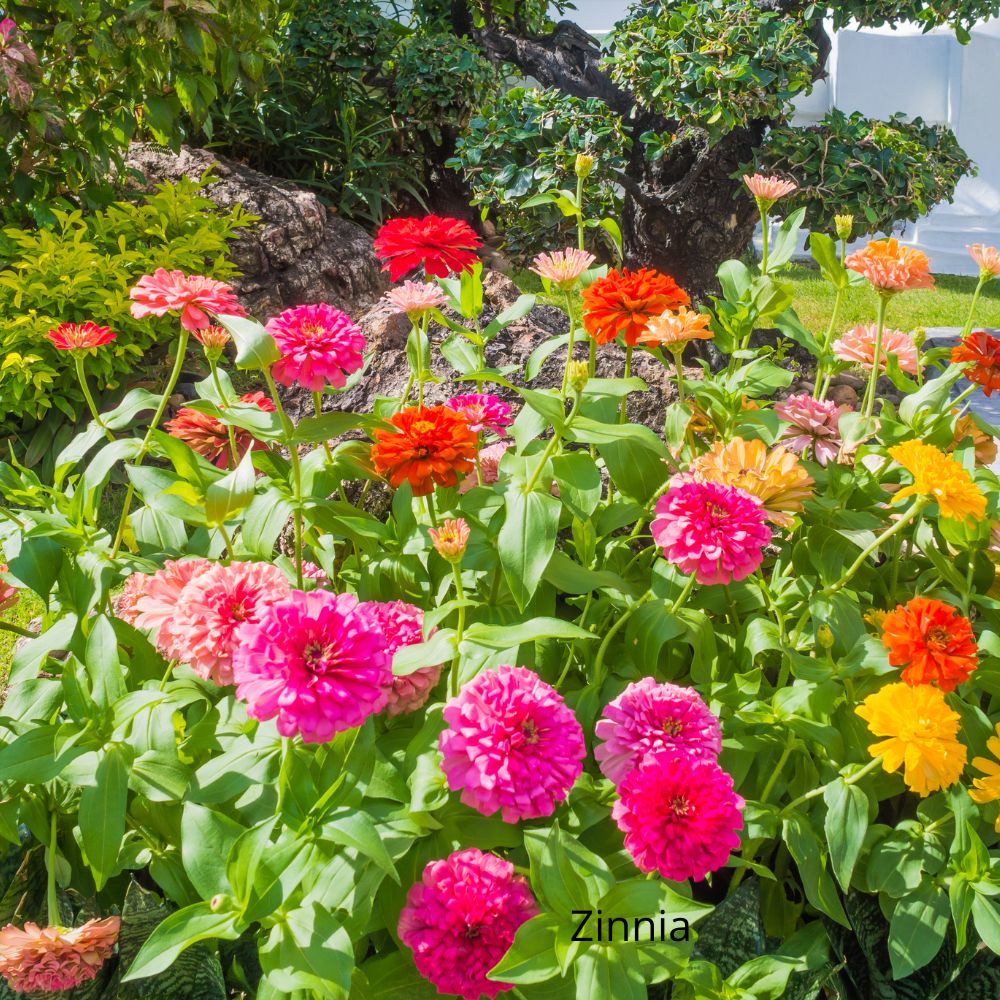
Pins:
<point x="852" y="780"/>
<point x="222" y="405"/>
<point x="318" y="409"/>
<point x="569" y="347"/>
<point x="17" y="630"/>
<point x="619" y="624"/>
<point x="967" y="329"/>
<point x="765" y="235"/>
<point x="628" y="374"/>
<point x="431" y="513"/>
<point x="91" y="405"/>
<point x="293" y="455"/>
<point x="883" y="301"/>
<point x="549" y="449"/>
<point x="51" y="897"/>
<point x="822" y="381"/>
<point x="579" y="212"/>
<point x="679" y="370"/>
<point x="459" y="631"/>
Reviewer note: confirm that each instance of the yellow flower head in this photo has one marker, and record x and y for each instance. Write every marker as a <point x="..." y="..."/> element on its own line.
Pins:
<point x="987" y="789"/>
<point x="921" y="735"/>
<point x="939" y="477"/>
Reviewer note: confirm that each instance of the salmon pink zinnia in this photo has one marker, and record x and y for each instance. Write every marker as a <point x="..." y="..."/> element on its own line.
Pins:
<point x="768" y="190"/>
<point x="51" y="959"/>
<point x="858" y="346"/>
<point x="987" y="258"/>
<point x="80" y="336"/>
<point x="208" y="436"/>
<point x="814" y="426"/>
<point x="319" y="345"/>
<point x="8" y="592"/>
<point x="489" y="466"/>
<point x="193" y="296"/>
<point x="440" y="245"/>
<point x="155" y="606"/>
<point x="562" y="267"/>
<point x="511" y="744"/>
<point x="317" y="661"/>
<point x="482" y="412"/>
<point x="460" y="920"/>
<point x="890" y="267"/>
<point x="415" y="298"/>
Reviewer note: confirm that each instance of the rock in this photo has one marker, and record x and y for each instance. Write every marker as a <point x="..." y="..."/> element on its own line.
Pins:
<point x="846" y="378"/>
<point x="843" y="395"/>
<point x="299" y="252"/>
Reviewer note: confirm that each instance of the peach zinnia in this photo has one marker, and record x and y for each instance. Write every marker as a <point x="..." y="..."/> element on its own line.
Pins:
<point x="623" y="302"/>
<point x="891" y="267"/>
<point x="50" y="959"/>
<point x="981" y="353"/>
<point x="858" y="346"/>
<point x="563" y="267"/>
<point x="673" y="330"/>
<point x="987" y="259"/>
<point x="768" y="190"/>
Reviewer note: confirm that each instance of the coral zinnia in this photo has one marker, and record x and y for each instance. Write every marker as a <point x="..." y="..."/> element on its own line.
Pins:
<point x="815" y="426"/>
<point x="987" y="788"/>
<point x="920" y="731"/>
<point x="768" y="190"/>
<point x="317" y="661"/>
<point x="415" y="297"/>
<point x="207" y="436"/>
<point x="891" y="267"/>
<point x="9" y="595"/>
<point x="80" y="336"/>
<point x="451" y="538"/>
<point x="680" y="815"/>
<point x="402" y="625"/>
<point x="714" y="531"/>
<point x="624" y="302"/>
<point x="858" y="346"/>
<point x="193" y="296"/>
<point x="460" y="920"/>
<point x="50" y="959"/>
<point x="562" y="267"/>
<point x="938" y="477"/>
<point x="125" y="603"/>
<point x="430" y="444"/>
<point x="489" y="466"/>
<point x="482" y="412"/>
<point x="440" y="245"/>
<point x="931" y="641"/>
<point x="775" y="477"/>
<point x="511" y="744"/>
<point x="155" y="606"/>
<point x="982" y="353"/>
<point x="319" y="346"/>
<point x="673" y="330"/>
<point x="647" y="717"/>
<point x="987" y="259"/>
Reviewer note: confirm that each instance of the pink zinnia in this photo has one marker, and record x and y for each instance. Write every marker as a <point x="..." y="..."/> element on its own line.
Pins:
<point x="156" y="606"/>
<point x="50" y="959"/>
<point x="489" y="466"/>
<point x="80" y="336"/>
<point x="316" y="661"/>
<point x="891" y="267"/>
<point x="204" y="629"/>
<point x="319" y="346"/>
<point x="310" y="571"/>
<point x="647" y="717"/>
<point x="482" y="412"/>
<point x="815" y="424"/>
<point x="716" y="532"/>
<point x="858" y="345"/>
<point x="125" y="603"/>
<point x="768" y="189"/>
<point x="987" y="259"/>
<point x="563" y="267"/>
<point x="460" y="920"/>
<point x="8" y="592"/>
<point x="193" y="296"/>
<point x="511" y="744"/>
<point x="680" y="815"/>
<point x="402" y="625"/>
<point x="415" y="297"/>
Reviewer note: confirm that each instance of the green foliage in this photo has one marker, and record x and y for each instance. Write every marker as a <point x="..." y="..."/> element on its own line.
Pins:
<point x="961" y="16"/>
<point x="881" y="172"/>
<point x="92" y="76"/>
<point x="82" y="269"/>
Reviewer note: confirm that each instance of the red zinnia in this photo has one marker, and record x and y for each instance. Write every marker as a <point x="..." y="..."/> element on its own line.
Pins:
<point x="441" y="245"/>
<point x="209" y="437"/>
<point x="932" y="642"/>
<point x="983" y="354"/>
<point x="80" y="336"/>
<point x="431" y="444"/>
<point x="625" y="302"/>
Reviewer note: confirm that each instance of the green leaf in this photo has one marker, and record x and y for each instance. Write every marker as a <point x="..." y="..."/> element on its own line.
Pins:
<point x="532" y="957"/>
<point x="805" y="848"/>
<point x="986" y="917"/>
<point x="37" y="564"/>
<point x="255" y="347"/>
<point x="786" y="240"/>
<point x="207" y="837"/>
<point x="917" y="929"/>
<point x="569" y="876"/>
<point x="310" y="950"/>
<point x="232" y="493"/>
<point x="579" y="482"/>
<point x="605" y="974"/>
<point x="846" y="824"/>
<point x="533" y="630"/>
<point x="357" y="829"/>
<point x="517" y="310"/>
<point x="102" y="814"/>
<point x="526" y="541"/>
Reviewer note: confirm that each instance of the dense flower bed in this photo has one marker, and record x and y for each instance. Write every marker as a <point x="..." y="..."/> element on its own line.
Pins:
<point x="591" y="698"/>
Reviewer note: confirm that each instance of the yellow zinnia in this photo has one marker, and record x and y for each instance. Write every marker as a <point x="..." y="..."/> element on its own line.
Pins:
<point x="920" y="730"/>
<point x="775" y="477"/>
<point x="988" y="788"/>
<point x="939" y="477"/>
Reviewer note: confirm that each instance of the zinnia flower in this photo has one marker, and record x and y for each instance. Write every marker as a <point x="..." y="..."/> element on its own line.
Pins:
<point x="920" y="731"/>
<point x="214" y="340"/>
<point x="460" y="920"/>
<point x="987" y="788"/>
<point x="489" y="466"/>
<point x="415" y="297"/>
<point x="430" y="445"/>
<point x="192" y="296"/>
<point x="482" y="412"/>
<point x="155" y="607"/>
<point x="402" y="625"/>
<point x="563" y="267"/>
<point x="982" y="353"/>
<point x="940" y="478"/>
<point x="714" y="531"/>
<point x="80" y="336"/>
<point x="208" y="436"/>
<point x="450" y="539"/>
<point x="624" y="302"/>
<point x="673" y="330"/>
<point x="986" y="258"/>
<point x="680" y="815"/>
<point x="511" y="744"/>
<point x="891" y="267"/>
<point x="125" y="603"/>
<point x="317" y="661"/>
<point x="858" y="346"/>
<point x="51" y="959"/>
<point x="815" y="426"/>
<point x="768" y="190"/>
<point x="985" y="448"/>
<point x="9" y="595"/>
<point x="775" y="477"/>
<point x="647" y="717"/>
<point x="319" y="345"/>
<point x="204" y="630"/>
<point x="931" y="641"/>
<point x="440" y="245"/>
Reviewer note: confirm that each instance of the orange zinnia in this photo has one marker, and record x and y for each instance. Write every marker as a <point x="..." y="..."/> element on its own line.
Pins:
<point x="891" y="267"/>
<point x="431" y="444"/>
<point x="931" y="641"/>
<point x="673" y="330"/>
<point x="625" y="302"/>
<point x="982" y="352"/>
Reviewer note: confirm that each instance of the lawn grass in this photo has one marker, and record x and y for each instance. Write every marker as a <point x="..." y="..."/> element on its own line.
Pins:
<point x="27" y="608"/>
<point x="945" y="305"/>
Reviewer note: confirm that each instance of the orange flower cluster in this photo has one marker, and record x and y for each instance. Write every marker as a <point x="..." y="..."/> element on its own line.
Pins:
<point x="982" y="352"/>
<point x="624" y="302"/>
<point x="891" y="267"/>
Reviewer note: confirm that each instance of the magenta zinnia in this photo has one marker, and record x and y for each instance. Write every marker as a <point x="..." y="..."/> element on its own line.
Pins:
<point x="511" y="744"/>
<point x="647" y="717"/>
<point x="815" y="426"/>
<point x="714" y="531"/>
<point x="460" y="920"/>
<point x="319" y="346"/>
<point x="51" y="959"/>
<point x="482" y="412"/>
<point x="680" y="815"/>
<point x="193" y="297"/>
<point x="316" y="661"/>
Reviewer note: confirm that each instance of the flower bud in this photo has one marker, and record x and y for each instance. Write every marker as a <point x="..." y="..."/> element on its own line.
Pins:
<point x="213" y="340"/>
<point x="578" y="375"/>
<point x="450" y="539"/>
<point x="584" y="165"/>
<point x="219" y="902"/>
<point x="919" y="336"/>
<point x="844" y="225"/>
<point x="824" y="635"/>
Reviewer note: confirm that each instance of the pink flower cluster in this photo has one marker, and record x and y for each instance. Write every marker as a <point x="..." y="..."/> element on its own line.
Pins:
<point x="319" y="346"/>
<point x="482" y="412"/>
<point x="814" y="426"/>
<point x="858" y="346"/>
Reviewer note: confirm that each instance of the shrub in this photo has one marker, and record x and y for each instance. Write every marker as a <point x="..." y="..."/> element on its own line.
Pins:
<point x="81" y="269"/>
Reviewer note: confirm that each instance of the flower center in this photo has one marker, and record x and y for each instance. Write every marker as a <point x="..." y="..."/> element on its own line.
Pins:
<point x="238" y="612"/>
<point x="317" y="655"/>
<point x="472" y="931"/>
<point x="937" y="636"/>
<point x="680" y="807"/>
<point x="530" y="732"/>
<point x="673" y="727"/>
